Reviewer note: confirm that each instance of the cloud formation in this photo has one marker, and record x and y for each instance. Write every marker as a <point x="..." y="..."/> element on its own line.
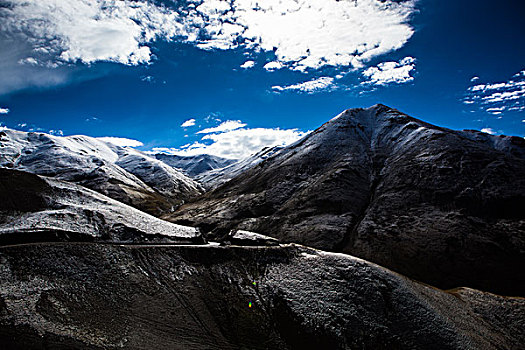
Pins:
<point x="89" y="31"/>
<point x="228" y="125"/>
<point x="121" y="141"/>
<point x="248" y="64"/>
<point x="309" y="87"/>
<point x="4" y="110"/>
<point x="232" y="140"/>
<point x="303" y="34"/>
<point x="307" y="34"/>
<point x="387" y="73"/>
<point x="188" y="123"/>
<point x="488" y="131"/>
<point x="496" y="98"/>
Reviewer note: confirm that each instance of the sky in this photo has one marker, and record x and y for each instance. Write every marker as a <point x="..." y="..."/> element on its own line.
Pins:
<point x="228" y="77"/>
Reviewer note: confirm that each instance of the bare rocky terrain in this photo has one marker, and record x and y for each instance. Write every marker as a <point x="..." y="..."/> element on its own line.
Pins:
<point x="92" y="296"/>
<point x="81" y="270"/>
<point x="441" y="206"/>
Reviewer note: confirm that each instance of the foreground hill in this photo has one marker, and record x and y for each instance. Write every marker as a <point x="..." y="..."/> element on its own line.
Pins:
<point x="39" y="209"/>
<point x="442" y="206"/>
<point x="92" y="296"/>
<point x="124" y="174"/>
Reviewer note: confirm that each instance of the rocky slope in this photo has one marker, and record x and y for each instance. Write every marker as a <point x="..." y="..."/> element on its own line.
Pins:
<point x="38" y="209"/>
<point x="92" y="296"/>
<point x="121" y="173"/>
<point x="441" y="206"/>
<point x="216" y="177"/>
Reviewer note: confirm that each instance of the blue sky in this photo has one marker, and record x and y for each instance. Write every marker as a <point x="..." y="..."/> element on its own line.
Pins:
<point x="266" y="71"/>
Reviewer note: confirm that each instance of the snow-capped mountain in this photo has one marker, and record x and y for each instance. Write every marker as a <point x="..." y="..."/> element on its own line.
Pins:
<point x="216" y="177"/>
<point x="212" y="171"/>
<point x="43" y="209"/>
<point x="441" y="206"/>
<point x="121" y="173"/>
<point x="194" y="165"/>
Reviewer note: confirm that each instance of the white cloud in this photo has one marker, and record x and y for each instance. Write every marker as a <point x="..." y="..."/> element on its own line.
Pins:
<point x="121" y="141"/>
<point x="309" y="87"/>
<point x="496" y="110"/>
<point x="497" y="98"/>
<point x="92" y="120"/>
<point x="248" y="64"/>
<point x="386" y="73"/>
<point x="488" y="131"/>
<point x="148" y="79"/>
<point x="473" y="79"/>
<point x="188" y="123"/>
<point x="56" y="132"/>
<point x="306" y="34"/>
<point x="274" y="65"/>
<point x="237" y="144"/>
<point x="91" y="30"/>
<point x="28" y="60"/>
<point x="4" y="110"/>
<point x="303" y="34"/>
<point x="223" y="127"/>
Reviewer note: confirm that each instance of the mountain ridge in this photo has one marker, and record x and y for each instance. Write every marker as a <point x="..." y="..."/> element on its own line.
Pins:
<point x="122" y="173"/>
<point x="386" y="187"/>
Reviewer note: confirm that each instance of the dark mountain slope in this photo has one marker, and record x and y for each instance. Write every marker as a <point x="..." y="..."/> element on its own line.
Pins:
<point x="442" y="206"/>
<point x="93" y="296"/>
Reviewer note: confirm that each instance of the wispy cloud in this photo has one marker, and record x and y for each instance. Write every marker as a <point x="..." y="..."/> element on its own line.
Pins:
<point x="228" y="125"/>
<point x="188" y="123"/>
<point x="92" y="120"/>
<point x="496" y="98"/>
<point x="386" y="73"/>
<point x="148" y="79"/>
<point x="488" y="131"/>
<point x="4" y="110"/>
<point x="309" y="87"/>
<point x="121" y="141"/>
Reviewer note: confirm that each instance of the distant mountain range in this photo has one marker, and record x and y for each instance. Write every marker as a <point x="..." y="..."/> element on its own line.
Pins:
<point x="121" y="173"/>
<point x="194" y="166"/>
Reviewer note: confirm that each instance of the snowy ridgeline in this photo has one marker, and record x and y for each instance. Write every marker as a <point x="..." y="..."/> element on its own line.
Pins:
<point x="122" y="173"/>
<point x="38" y="208"/>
